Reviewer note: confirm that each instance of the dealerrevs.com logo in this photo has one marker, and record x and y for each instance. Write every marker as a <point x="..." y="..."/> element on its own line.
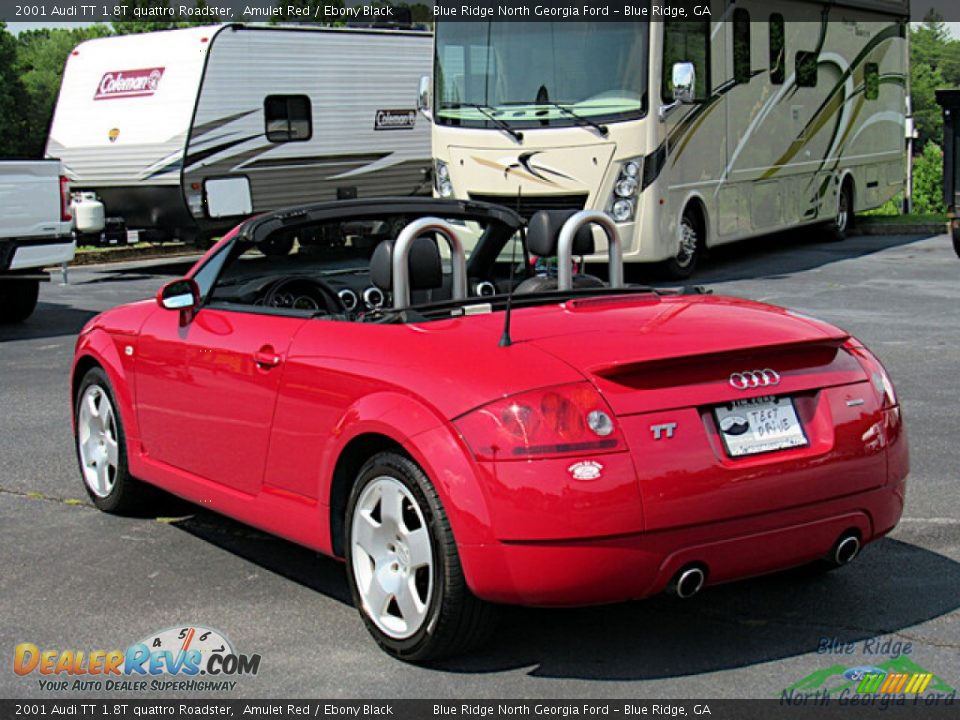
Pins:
<point x="128" y="83"/>
<point x="185" y="653"/>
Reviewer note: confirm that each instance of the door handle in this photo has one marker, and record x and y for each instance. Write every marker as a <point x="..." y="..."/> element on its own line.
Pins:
<point x="266" y="357"/>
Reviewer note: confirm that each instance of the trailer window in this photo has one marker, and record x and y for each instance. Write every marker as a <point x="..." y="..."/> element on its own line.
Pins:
<point x="287" y="118"/>
<point x="741" y="46"/>
<point x="871" y="81"/>
<point x="686" y="42"/>
<point x="806" y="69"/>
<point x="778" y="50"/>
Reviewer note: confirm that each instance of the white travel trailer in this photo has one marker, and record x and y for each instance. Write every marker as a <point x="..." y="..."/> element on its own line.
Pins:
<point x="764" y="115"/>
<point x="183" y="132"/>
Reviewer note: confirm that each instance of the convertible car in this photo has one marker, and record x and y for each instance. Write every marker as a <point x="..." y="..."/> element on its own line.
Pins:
<point x="498" y="429"/>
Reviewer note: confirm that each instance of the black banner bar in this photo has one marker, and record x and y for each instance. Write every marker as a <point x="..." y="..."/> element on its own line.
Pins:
<point x="392" y="13"/>
<point x="878" y="706"/>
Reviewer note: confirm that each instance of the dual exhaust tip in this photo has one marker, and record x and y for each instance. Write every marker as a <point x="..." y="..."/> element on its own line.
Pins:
<point x="846" y="549"/>
<point x="690" y="580"/>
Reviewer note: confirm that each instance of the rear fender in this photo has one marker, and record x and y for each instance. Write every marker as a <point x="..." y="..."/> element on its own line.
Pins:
<point x="432" y="443"/>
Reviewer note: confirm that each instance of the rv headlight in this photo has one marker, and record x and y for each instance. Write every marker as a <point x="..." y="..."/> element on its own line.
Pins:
<point x="623" y="200"/>
<point x="622" y="210"/>
<point x="441" y="179"/>
<point x="626" y="188"/>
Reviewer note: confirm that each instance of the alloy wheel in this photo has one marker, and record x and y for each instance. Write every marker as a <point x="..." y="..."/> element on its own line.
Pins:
<point x="97" y="441"/>
<point x="392" y="557"/>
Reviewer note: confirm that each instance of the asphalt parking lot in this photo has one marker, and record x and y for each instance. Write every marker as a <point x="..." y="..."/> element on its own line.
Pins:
<point x="72" y="577"/>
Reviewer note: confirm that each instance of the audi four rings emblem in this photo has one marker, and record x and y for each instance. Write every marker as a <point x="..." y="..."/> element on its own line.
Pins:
<point x="755" y="379"/>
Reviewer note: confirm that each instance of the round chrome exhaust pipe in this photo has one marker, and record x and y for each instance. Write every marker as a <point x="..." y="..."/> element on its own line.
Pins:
<point x="688" y="582"/>
<point x="846" y="549"/>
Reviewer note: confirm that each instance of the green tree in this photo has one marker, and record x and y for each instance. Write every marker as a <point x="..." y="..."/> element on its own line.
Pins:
<point x="934" y="63"/>
<point x="41" y="56"/>
<point x="928" y="180"/>
<point x="14" y="130"/>
<point x="927" y="115"/>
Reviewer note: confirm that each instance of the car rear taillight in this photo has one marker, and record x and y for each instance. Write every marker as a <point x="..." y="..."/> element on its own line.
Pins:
<point x="65" y="215"/>
<point x="554" y="421"/>
<point x="879" y="378"/>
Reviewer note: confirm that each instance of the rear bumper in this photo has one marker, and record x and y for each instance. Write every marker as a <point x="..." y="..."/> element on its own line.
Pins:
<point x="626" y="567"/>
<point x="36" y="252"/>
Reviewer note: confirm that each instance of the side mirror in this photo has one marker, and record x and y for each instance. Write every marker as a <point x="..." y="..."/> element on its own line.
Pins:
<point x="423" y="96"/>
<point x="684" y="82"/>
<point x="181" y="294"/>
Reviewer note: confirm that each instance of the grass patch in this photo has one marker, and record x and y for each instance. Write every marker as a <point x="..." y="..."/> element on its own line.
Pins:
<point x="91" y="250"/>
<point x="912" y="219"/>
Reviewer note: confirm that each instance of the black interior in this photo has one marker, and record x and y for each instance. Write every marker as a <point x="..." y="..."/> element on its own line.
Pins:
<point x="335" y="260"/>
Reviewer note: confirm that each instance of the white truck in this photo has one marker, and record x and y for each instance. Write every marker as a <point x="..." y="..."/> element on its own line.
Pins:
<point x="36" y="231"/>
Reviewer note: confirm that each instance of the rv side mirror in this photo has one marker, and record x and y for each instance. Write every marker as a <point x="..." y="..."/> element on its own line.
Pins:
<point x="181" y="294"/>
<point x="684" y="82"/>
<point x="423" y="96"/>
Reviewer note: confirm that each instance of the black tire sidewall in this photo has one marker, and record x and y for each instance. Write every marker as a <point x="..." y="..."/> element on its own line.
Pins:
<point x="114" y="502"/>
<point x="412" y="477"/>
<point x="18" y="299"/>
<point x="673" y="269"/>
<point x="836" y="234"/>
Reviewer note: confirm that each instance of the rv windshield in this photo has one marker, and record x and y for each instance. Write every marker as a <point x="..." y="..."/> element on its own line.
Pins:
<point x="539" y="74"/>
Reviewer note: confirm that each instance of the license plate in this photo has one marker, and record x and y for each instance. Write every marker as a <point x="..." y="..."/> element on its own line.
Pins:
<point x="759" y="425"/>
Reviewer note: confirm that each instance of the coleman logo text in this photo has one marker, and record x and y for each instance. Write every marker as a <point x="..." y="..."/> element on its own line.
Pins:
<point x="395" y="119"/>
<point x="128" y="83"/>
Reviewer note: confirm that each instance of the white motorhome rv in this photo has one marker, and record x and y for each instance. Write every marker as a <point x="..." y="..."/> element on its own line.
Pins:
<point x="689" y="134"/>
<point x="184" y="132"/>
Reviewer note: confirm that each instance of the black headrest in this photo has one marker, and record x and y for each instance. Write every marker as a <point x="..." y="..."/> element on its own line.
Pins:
<point x="543" y="233"/>
<point x="424" y="265"/>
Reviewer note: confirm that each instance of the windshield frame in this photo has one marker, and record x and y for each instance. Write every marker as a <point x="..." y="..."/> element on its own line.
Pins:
<point x="542" y="115"/>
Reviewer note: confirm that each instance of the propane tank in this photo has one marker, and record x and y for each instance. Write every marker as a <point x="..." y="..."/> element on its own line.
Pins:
<point x="88" y="213"/>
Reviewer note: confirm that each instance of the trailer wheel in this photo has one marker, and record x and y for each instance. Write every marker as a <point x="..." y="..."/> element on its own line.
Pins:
<point x="955" y="230"/>
<point x="689" y="246"/>
<point x="18" y="298"/>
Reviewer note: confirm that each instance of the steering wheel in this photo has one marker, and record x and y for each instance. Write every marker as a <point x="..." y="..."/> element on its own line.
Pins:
<point x="302" y="292"/>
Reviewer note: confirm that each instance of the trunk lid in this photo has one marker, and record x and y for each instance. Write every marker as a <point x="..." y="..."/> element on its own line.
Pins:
<point x="668" y="363"/>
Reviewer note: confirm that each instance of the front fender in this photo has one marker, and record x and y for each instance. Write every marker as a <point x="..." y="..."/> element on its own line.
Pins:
<point x="433" y="443"/>
<point x="108" y="351"/>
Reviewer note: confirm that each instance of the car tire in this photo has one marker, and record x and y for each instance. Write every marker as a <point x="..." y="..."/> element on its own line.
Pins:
<point x="102" y="449"/>
<point x="689" y="247"/>
<point x="18" y="299"/>
<point x="403" y="566"/>
<point x="839" y="229"/>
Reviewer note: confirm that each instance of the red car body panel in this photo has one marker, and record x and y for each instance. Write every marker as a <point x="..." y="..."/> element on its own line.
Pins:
<point x="207" y="421"/>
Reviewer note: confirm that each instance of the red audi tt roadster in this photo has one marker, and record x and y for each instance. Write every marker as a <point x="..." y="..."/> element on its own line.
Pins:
<point x="468" y="432"/>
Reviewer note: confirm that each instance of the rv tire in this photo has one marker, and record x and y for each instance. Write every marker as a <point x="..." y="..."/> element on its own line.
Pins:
<point x="840" y="227"/>
<point x="690" y="244"/>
